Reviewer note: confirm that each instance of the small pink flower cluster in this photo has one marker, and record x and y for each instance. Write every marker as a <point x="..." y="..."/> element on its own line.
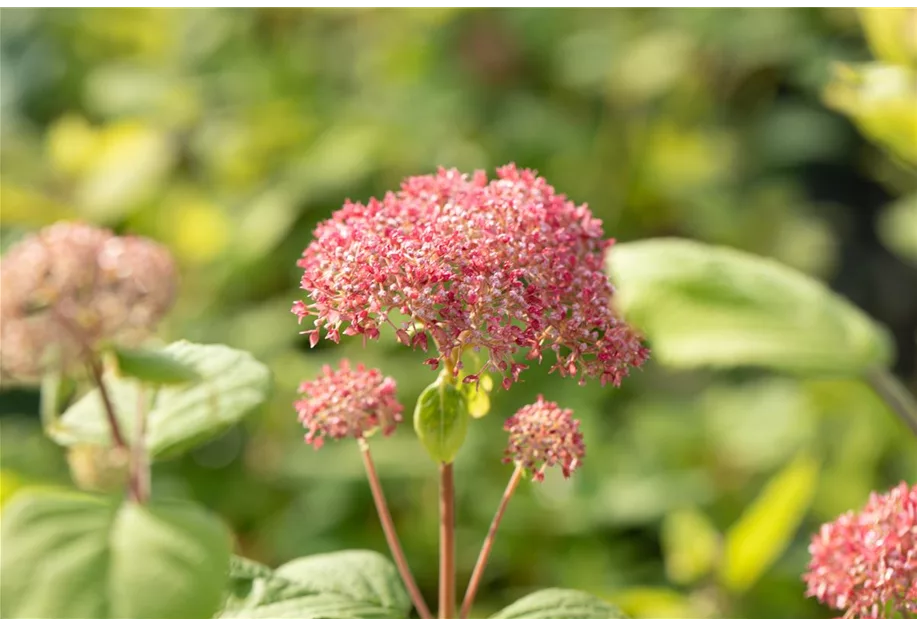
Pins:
<point x="866" y="563"/>
<point x="72" y="286"/>
<point x="543" y="435"/>
<point x="346" y="403"/>
<point x="500" y="265"/>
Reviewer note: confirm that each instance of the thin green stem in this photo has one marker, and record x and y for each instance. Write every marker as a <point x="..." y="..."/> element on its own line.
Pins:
<point x="484" y="555"/>
<point x="446" y="541"/>
<point x="895" y="395"/>
<point x="391" y="536"/>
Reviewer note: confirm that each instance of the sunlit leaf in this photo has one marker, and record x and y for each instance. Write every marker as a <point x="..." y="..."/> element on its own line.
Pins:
<point x="711" y="306"/>
<point x="882" y="100"/>
<point x="691" y="545"/>
<point x="892" y="33"/>
<point x="767" y="526"/>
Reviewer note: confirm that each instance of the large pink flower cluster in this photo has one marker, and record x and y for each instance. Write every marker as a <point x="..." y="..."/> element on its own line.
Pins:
<point x="866" y="563"/>
<point x="347" y="403"/>
<point x="499" y="265"/>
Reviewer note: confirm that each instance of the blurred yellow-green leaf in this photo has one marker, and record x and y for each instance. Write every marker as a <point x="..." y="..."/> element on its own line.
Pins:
<point x="898" y="227"/>
<point x="882" y="100"/>
<point x="30" y="208"/>
<point x="767" y="526"/>
<point x="691" y="545"/>
<point x="113" y="167"/>
<point x="892" y="33"/>
<point x="648" y="602"/>
<point x="714" y="306"/>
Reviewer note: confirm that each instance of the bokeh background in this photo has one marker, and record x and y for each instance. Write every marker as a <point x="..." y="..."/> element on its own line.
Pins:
<point x="228" y="134"/>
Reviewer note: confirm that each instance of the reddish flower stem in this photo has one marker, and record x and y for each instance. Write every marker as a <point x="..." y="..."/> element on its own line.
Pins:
<point x="95" y="369"/>
<point x="388" y="527"/>
<point x="446" y="541"/>
<point x="139" y="463"/>
<point x="483" y="556"/>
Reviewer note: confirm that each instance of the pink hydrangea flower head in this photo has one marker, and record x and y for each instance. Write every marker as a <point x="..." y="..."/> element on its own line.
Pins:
<point x="542" y="435"/>
<point x="70" y="287"/>
<point x="501" y="266"/>
<point x="865" y="563"/>
<point x="348" y="403"/>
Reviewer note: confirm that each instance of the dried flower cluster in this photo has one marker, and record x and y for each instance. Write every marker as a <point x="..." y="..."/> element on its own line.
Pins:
<point x="541" y="436"/>
<point x="500" y="265"/>
<point x="347" y="403"/>
<point x="70" y="287"/>
<point x="866" y="563"/>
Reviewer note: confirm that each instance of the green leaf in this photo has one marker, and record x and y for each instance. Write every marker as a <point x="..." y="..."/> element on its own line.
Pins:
<point x="703" y="305"/>
<point x="477" y="395"/>
<point x="441" y="420"/>
<point x="68" y="555"/>
<point x="232" y="384"/>
<point x="153" y="366"/>
<point x="690" y="544"/>
<point x="767" y="526"/>
<point x="55" y="391"/>
<point x="559" y="603"/>
<point x="249" y="584"/>
<point x="346" y="584"/>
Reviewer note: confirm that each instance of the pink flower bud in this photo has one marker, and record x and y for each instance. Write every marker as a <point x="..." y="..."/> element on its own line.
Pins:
<point x="346" y="403"/>
<point x="543" y="435"/>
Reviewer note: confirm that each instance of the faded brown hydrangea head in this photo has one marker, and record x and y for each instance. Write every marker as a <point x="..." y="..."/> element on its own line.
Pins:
<point x="70" y="287"/>
<point x="347" y="403"/>
<point x="542" y="435"/>
<point x="500" y="266"/>
<point x="865" y="563"/>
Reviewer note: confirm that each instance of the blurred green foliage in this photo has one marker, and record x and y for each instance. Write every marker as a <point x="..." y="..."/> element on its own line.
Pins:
<point x="227" y="134"/>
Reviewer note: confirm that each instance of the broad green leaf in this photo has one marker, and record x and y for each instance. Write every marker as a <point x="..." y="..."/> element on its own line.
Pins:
<point x="767" y="526"/>
<point x="152" y="366"/>
<point x="232" y="384"/>
<point x="701" y="305"/>
<point x="559" y="603"/>
<point x="346" y="584"/>
<point x="441" y="420"/>
<point x="249" y="584"/>
<point x="68" y="555"/>
<point x="690" y="545"/>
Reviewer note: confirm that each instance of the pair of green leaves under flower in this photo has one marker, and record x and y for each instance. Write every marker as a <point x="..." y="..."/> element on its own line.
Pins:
<point x="443" y="412"/>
